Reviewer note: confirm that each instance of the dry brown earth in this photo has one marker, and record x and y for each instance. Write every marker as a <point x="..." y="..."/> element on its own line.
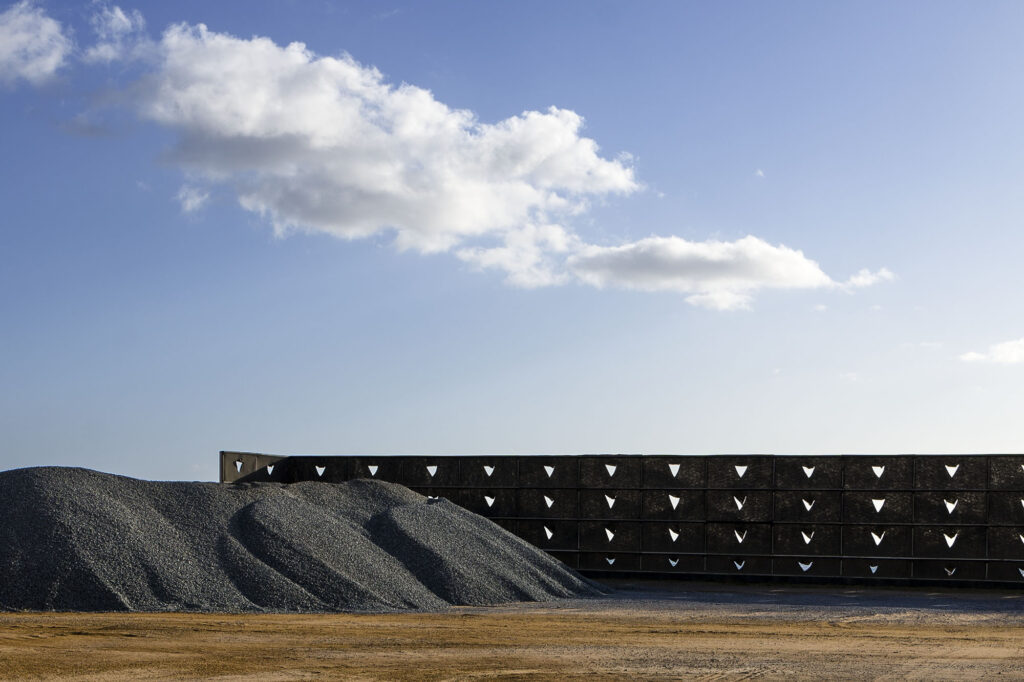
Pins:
<point x="699" y="631"/>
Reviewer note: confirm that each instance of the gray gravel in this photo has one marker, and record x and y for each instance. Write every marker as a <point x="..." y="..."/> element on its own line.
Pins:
<point x="79" y="540"/>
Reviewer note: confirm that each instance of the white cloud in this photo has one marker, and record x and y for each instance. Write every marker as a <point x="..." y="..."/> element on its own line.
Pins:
<point x="192" y="199"/>
<point x="866" y="278"/>
<point x="33" y="46"/>
<point x="714" y="274"/>
<point x="119" y="34"/>
<point x="759" y="173"/>
<point x="1005" y="353"/>
<point x="820" y="307"/>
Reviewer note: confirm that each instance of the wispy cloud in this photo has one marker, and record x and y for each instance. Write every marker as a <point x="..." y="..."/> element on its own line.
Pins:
<point x="118" y="33"/>
<point x="33" y="46"/>
<point x="191" y="199"/>
<point x="1005" y="353"/>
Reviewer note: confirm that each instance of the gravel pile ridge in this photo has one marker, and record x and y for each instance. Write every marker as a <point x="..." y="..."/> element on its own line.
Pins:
<point x="80" y="540"/>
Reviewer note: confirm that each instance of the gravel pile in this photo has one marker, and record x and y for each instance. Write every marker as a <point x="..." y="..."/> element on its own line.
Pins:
<point x="79" y="540"/>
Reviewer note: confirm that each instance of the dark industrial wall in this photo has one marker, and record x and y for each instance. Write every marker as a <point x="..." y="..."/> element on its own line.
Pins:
<point x="922" y="517"/>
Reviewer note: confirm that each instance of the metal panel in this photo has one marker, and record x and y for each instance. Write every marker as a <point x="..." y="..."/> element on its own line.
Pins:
<point x="1006" y="472"/>
<point x="740" y="471"/>
<point x="548" y="472"/>
<point x="950" y="507"/>
<point x="876" y="568"/>
<point x="739" y="565"/>
<point x="949" y="541"/>
<point x="609" y="471"/>
<point x="946" y="472"/>
<point x="609" y="561"/>
<point x="323" y="469"/>
<point x="609" y="504"/>
<point x="949" y="570"/>
<point x="739" y="538"/>
<point x="547" y="503"/>
<point x="808" y="505"/>
<point x="1006" y="542"/>
<point x="868" y="472"/>
<point x="570" y="559"/>
<point x="806" y="538"/>
<point x="808" y="473"/>
<point x="432" y="471"/>
<point x="673" y="504"/>
<point x="810" y="566"/>
<point x="673" y="537"/>
<point x="882" y="506"/>
<point x="549" y="534"/>
<point x="739" y="505"/>
<point x="1006" y="507"/>
<point x="610" y="536"/>
<point x="494" y="502"/>
<point x="673" y="472"/>
<point x="377" y="468"/>
<point x="488" y="472"/>
<point x="880" y="541"/>
<point x="1010" y="571"/>
<point x="670" y="563"/>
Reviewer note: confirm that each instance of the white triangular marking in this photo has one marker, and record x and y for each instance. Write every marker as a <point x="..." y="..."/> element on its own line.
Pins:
<point x="739" y="564"/>
<point x="951" y="470"/>
<point x="873" y="568"/>
<point x="610" y="501"/>
<point x="1021" y="536"/>
<point x="739" y="504"/>
<point x="549" y="469"/>
<point x="950" y="506"/>
<point x="878" y="538"/>
<point x="488" y="470"/>
<point x="1022" y="502"/>
<point x="878" y="504"/>
<point x="878" y="471"/>
<point x="805" y="567"/>
<point x="807" y="505"/>
<point x="431" y="497"/>
<point x="611" y="469"/>
<point x="609" y="533"/>
<point x="951" y="539"/>
<point x="807" y="538"/>
<point x="432" y="470"/>
<point x="489" y="501"/>
<point x="950" y="571"/>
<point x="270" y="469"/>
<point x="673" y="500"/>
<point x="809" y="471"/>
<point x="547" y="531"/>
<point x="610" y="561"/>
<point x="673" y="562"/>
<point x="238" y="465"/>
<point x="673" y="469"/>
<point x="320" y="470"/>
<point x="740" y="470"/>
<point x="672" y="534"/>
<point x="372" y="469"/>
<point x="1021" y="572"/>
<point x="548" y="501"/>
<point x="740" y="537"/>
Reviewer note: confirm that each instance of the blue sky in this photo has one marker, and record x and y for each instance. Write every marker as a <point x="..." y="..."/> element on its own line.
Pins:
<point x="744" y="227"/>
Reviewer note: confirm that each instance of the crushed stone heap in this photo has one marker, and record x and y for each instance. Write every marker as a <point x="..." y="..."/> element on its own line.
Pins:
<point x="80" y="540"/>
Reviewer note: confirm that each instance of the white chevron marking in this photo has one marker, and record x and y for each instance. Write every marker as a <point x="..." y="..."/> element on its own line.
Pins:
<point x="740" y="537"/>
<point x="878" y="471"/>
<point x="432" y="469"/>
<point x="951" y="470"/>
<point x="489" y="501"/>
<point x="739" y="564"/>
<point x="673" y="562"/>
<point x="807" y="538"/>
<point x="874" y="569"/>
<point x="739" y="504"/>
<point x="320" y="471"/>
<point x="548" y="501"/>
<point x="372" y="469"/>
<point x="672" y="534"/>
<point x="809" y="471"/>
<point x="673" y="500"/>
<point x="548" y="532"/>
<point x="951" y="539"/>
<point x="740" y="470"/>
<point x="549" y="469"/>
<point x="611" y="469"/>
<point x="610" y="501"/>
<point x="808" y="505"/>
<point x="878" y="538"/>
<point x="610" y="561"/>
<point x="878" y="504"/>
<point x="950" y="506"/>
<point x="673" y="469"/>
<point x="950" y="571"/>
<point x="805" y="567"/>
<point x="488" y="470"/>
<point x="609" y="533"/>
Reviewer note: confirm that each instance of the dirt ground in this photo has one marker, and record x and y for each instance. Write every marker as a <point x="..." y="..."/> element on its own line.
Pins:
<point x="699" y="631"/>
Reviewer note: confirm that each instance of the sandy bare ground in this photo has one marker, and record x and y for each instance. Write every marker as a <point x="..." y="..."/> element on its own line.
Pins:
<point x="699" y="631"/>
